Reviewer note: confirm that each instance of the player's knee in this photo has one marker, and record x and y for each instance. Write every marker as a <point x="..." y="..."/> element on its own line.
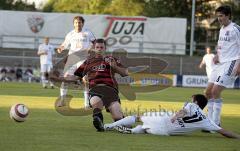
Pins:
<point x="96" y="102"/>
<point x="215" y="93"/>
<point x="208" y="94"/>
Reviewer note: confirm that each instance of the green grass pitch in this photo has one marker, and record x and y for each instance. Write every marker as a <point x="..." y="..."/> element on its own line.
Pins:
<point x="47" y="130"/>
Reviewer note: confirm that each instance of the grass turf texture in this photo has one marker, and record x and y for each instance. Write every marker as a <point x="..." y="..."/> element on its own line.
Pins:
<point x="45" y="129"/>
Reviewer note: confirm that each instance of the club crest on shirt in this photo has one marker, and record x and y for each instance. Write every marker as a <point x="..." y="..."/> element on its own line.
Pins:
<point x="227" y="33"/>
<point x="35" y="22"/>
<point x="84" y="35"/>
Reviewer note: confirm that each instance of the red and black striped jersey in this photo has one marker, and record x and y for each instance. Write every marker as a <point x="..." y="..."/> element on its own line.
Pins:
<point x="98" y="71"/>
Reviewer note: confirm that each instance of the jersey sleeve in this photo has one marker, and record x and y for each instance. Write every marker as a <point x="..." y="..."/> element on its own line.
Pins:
<point x="211" y="126"/>
<point x="118" y="62"/>
<point x="191" y="109"/>
<point x="237" y="30"/>
<point x="91" y="36"/>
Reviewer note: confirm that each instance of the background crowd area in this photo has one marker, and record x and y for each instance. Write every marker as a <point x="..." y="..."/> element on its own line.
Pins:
<point x="20" y="74"/>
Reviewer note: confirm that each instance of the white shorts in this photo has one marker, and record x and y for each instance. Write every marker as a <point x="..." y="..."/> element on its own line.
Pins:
<point x="74" y="61"/>
<point x="224" y="74"/>
<point x="46" y="67"/>
<point x="209" y="72"/>
<point x="156" y="124"/>
<point x="70" y="69"/>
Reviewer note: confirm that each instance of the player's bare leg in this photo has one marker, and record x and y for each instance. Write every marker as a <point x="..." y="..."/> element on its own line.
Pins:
<point x="208" y="94"/>
<point x="115" y="110"/>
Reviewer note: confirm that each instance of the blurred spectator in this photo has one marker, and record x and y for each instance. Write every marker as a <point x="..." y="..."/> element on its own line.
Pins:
<point x="36" y="74"/>
<point x="11" y="73"/>
<point x="3" y="75"/>
<point x="29" y="74"/>
<point x="19" y="73"/>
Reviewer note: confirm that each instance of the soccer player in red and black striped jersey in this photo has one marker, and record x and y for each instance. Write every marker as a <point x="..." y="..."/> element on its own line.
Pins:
<point x="98" y="71"/>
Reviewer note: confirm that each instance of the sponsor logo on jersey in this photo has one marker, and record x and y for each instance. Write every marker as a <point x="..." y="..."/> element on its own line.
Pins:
<point x="100" y="67"/>
<point x="224" y="39"/>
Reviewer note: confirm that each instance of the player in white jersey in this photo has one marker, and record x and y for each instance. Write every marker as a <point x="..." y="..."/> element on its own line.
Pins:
<point x="227" y="62"/>
<point x="207" y="61"/>
<point x="46" y="52"/>
<point x="80" y="40"/>
<point x="188" y="119"/>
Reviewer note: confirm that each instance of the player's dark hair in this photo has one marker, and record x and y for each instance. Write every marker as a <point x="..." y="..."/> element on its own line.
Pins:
<point x="226" y="10"/>
<point x="200" y="99"/>
<point x="100" y="40"/>
<point x="79" y="18"/>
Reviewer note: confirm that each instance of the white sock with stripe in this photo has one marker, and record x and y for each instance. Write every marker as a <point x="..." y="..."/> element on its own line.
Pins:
<point x="43" y="79"/>
<point x="210" y="108"/>
<point x="86" y="99"/>
<point x="217" y="107"/>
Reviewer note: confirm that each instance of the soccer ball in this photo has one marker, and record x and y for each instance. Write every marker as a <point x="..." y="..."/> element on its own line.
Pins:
<point x="19" y="112"/>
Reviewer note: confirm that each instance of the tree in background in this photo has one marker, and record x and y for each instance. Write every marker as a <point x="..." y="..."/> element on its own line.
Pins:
<point x="125" y="8"/>
<point x="70" y="6"/>
<point x="16" y="5"/>
<point x="113" y="7"/>
<point x="97" y="6"/>
<point x="149" y="8"/>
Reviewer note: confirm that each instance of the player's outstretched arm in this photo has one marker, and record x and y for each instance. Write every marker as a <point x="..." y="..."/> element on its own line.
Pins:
<point x="228" y="134"/>
<point x="201" y="64"/>
<point x="60" y="49"/>
<point x="120" y="70"/>
<point x="179" y="114"/>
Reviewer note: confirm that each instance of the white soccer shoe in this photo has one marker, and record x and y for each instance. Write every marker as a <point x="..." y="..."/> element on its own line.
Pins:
<point x="108" y="127"/>
<point x="123" y="129"/>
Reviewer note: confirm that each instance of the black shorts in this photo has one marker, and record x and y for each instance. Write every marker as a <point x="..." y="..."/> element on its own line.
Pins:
<point x="106" y="93"/>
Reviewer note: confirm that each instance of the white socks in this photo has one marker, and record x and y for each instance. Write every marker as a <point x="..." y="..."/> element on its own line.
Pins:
<point x="217" y="107"/>
<point x="63" y="92"/>
<point x="210" y="108"/>
<point x="86" y="99"/>
<point x="129" y="120"/>
<point x="138" y="130"/>
<point x="44" y="81"/>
